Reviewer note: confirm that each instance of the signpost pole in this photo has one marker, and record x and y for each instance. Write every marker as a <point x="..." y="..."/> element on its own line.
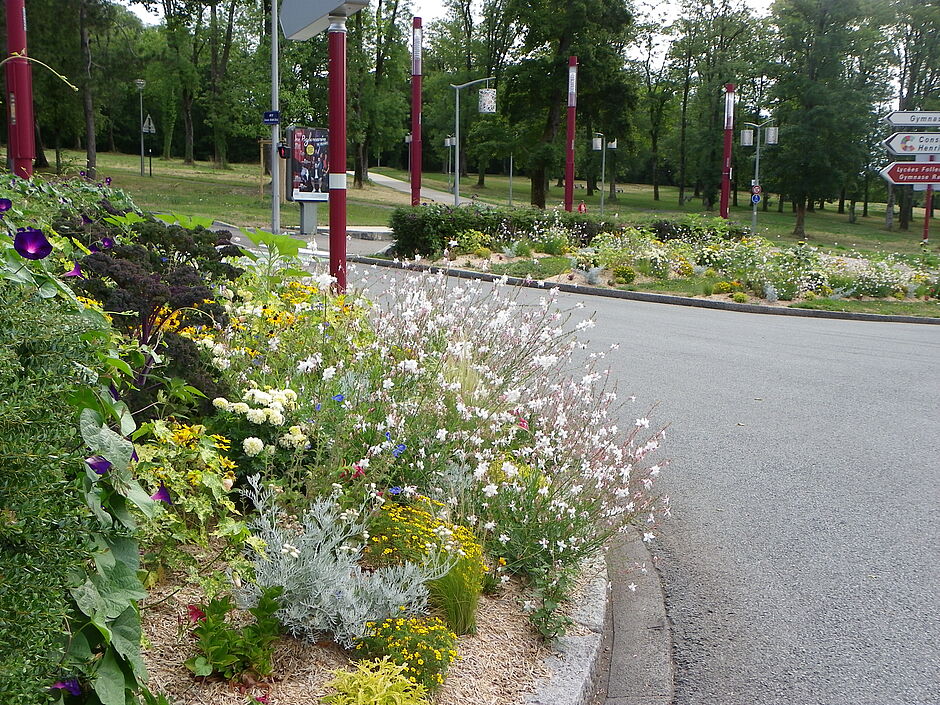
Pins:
<point x="140" y="91"/>
<point x="275" y="128"/>
<point x="21" y="136"/>
<point x="569" y="144"/>
<point x="457" y="147"/>
<point x="726" y="158"/>
<point x="416" y="72"/>
<point x="336" y="90"/>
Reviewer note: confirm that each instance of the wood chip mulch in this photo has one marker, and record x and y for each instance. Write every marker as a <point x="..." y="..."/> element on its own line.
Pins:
<point x="497" y="666"/>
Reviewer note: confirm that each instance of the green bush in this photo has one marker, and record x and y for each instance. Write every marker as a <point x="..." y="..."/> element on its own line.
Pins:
<point x="43" y="518"/>
<point x="739" y="297"/>
<point x="423" y="645"/>
<point x="376" y="683"/>
<point x="426" y="230"/>
<point x="624" y="274"/>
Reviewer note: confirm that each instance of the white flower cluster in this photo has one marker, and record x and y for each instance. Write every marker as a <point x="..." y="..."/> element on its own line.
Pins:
<point x="294" y="438"/>
<point x="270" y="405"/>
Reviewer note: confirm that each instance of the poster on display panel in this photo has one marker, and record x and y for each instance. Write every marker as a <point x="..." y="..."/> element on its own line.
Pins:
<point x="308" y="176"/>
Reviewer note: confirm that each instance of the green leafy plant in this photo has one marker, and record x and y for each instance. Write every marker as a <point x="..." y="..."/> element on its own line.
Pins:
<point x="739" y="297"/>
<point x="380" y="682"/>
<point x="230" y="650"/>
<point x="624" y="274"/>
<point x="423" y="645"/>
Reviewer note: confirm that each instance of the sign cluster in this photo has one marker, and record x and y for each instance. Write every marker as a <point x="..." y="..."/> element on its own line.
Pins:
<point x="923" y="171"/>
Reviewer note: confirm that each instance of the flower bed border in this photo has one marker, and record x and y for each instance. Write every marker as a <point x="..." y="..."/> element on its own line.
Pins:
<point x="647" y="296"/>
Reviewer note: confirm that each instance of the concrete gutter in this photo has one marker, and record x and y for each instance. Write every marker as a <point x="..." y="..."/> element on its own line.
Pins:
<point x="648" y="297"/>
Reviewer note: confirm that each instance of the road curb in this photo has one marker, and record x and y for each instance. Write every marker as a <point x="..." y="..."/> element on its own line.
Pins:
<point x="574" y="663"/>
<point x="646" y="296"/>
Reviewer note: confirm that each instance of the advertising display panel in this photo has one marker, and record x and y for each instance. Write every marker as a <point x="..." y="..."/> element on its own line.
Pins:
<point x="308" y="176"/>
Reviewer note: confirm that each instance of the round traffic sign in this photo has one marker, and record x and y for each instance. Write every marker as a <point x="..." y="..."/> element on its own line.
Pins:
<point x="756" y="189"/>
<point x="755" y="198"/>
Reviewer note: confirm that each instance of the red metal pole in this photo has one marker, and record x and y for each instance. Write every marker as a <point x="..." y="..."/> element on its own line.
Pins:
<point x="21" y="141"/>
<point x="569" y="144"/>
<point x="928" y="206"/>
<point x="416" y="51"/>
<point x="336" y="90"/>
<point x="726" y="159"/>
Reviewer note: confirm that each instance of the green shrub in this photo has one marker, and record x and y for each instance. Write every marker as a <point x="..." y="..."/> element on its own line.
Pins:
<point x="375" y="683"/>
<point x="723" y="287"/>
<point x="739" y="297"/>
<point x="541" y="268"/>
<point x="624" y="274"/>
<point x="43" y="519"/>
<point x="708" y="289"/>
<point x="471" y="240"/>
<point x="229" y="650"/>
<point x="483" y="252"/>
<point x="423" y="645"/>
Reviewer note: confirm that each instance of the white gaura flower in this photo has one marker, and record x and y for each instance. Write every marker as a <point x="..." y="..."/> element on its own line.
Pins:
<point x="503" y="538"/>
<point x="642" y="423"/>
<point x="323" y="280"/>
<point x="490" y="490"/>
<point x="329" y="373"/>
<point x="252" y="446"/>
<point x="490" y="525"/>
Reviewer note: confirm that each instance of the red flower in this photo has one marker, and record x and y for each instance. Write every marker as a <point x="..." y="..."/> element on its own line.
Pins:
<point x="195" y="614"/>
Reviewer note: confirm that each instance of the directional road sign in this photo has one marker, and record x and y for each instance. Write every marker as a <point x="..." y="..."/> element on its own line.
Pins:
<point x="913" y="143"/>
<point x="913" y="118"/>
<point x="912" y="173"/>
<point x="271" y="117"/>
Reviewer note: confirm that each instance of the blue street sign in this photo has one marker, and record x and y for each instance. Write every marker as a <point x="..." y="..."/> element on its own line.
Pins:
<point x="755" y="198"/>
<point x="272" y="117"/>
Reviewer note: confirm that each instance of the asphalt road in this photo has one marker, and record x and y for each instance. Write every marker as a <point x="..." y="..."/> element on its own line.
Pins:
<point x="802" y="564"/>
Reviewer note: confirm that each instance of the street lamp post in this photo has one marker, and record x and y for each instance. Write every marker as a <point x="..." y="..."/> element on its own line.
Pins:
<point x="600" y="144"/>
<point x="747" y="138"/>
<point x="141" y="84"/>
<point x="457" y="132"/>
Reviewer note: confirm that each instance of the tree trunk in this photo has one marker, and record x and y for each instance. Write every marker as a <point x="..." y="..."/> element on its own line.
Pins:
<point x="799" y="229"/>
<point x="686" y="87"/>
<point x="780" y="202"/>
<point x="842" y="202"/>
<point x="852" y="217"/>
<point x="360" y="164"/>
<point x="187" y="102"/>
<point x="889" y="210"/>
<point x="88" y="102"/>
<point x="41" y="162"/>
<point x="865" y="204"/>
<point x="481" y="176"/>
<point x="906" y="209"/>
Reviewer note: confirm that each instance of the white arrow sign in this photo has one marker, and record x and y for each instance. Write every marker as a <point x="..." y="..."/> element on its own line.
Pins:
<point x="913" y="143"/>
<point x="913" y="118"/>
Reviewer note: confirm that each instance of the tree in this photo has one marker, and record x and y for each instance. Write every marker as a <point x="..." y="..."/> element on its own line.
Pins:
<point x="551" y="31"/>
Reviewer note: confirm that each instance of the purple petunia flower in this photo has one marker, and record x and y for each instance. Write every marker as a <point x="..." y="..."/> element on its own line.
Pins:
<point x="107" y="181"/>
<point x="162" y="495"/>
<point x="98" y="464"/>
<point x="5" y="205"/>
<point x="86" y="220"/>
<point x="338" y="397"/>
<point x="70" y="684"/>
<point x="32" y="244"/>
<point x="76" y="271"/>
<point x="107" y="243"/>
<point x="399" y="449"/>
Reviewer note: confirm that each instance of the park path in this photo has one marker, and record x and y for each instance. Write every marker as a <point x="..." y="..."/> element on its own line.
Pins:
<point x="427" y="194"/>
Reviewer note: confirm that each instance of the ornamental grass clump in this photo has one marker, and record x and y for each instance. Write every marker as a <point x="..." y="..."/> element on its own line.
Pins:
<point x="424" y="646"/>
<point x="412" y="532"/>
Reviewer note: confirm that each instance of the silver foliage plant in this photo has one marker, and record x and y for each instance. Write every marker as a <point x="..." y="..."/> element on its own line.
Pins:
<point x="316" y="561"/>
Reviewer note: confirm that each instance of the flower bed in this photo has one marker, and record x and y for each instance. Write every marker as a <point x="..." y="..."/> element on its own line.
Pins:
<point x="694" y="256"/>
<point x="414" y="481"/>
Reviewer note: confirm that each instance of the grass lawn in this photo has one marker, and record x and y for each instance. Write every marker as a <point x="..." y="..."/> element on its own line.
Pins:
<point x="824" y="228"/>
<point x="232" y="195"/>
<point x="925" y="309"/>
